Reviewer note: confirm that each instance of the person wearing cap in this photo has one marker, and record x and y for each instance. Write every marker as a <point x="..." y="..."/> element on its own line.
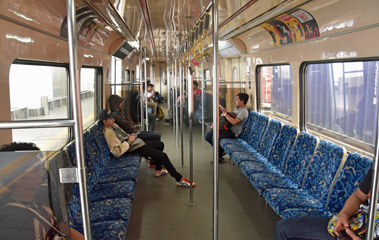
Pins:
<point x="116" y="104"/>
<point x="119" y="142"/>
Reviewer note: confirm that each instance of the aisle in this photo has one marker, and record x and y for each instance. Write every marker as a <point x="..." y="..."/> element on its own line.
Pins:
<point x="160" y="209"/>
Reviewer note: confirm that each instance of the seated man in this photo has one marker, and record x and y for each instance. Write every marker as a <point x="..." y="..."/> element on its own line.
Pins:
<point x="317" y="227"/>
<point x="149" y="97"/>
<point x="123" y="121"/>
<point x="119" y="142"/>
<point x="242" y="114"/>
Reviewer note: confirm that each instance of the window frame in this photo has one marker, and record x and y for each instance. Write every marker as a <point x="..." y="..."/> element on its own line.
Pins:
<point x="258" y="89"/>
<point x="349" y="142"/>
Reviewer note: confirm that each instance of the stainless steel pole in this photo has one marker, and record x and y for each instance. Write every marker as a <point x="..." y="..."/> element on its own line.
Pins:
<point x="176" y="101"/>
<point x="374" y="191"/>
<point x="146" y="110"/>
<point x="202" y="98"/>
<point x="181" y="114"/>
<point x="215" y="119"/>
<point x="168" y="91"/>
<point x="190" y="114"/>
<point x="37" y="124"/>
<point x="77" y="114"/>
<point x="173" y="96"/>
<point x="141" y="88"/>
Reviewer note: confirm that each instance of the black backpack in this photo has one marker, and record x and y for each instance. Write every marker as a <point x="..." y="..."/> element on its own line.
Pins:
<point x="224" y="124"/>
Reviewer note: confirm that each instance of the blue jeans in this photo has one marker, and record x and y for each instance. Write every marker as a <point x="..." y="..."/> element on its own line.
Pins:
<point x="209" y="138"/>
<point x="305" y="228"/>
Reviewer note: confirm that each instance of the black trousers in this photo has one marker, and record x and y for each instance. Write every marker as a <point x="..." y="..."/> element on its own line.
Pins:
<point x="154" y="150"/>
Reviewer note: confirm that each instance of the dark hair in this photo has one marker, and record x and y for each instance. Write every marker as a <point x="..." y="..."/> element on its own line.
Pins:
<point x="18" y="146"/>
<point x="150" y="85"/>
<point x="243" y="97"/>
<point x="195" y="83"/>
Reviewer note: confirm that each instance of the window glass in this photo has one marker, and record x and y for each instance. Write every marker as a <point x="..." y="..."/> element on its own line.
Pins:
<point x="342" y="99"/>
<point x="88" y="77"/>
<point x="39" y="92"/>
<point x="276" y="90"/>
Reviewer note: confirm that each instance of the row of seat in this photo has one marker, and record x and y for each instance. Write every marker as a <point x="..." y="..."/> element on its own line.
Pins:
<point x="296" y="173"/>
<point x="111" y="186"/>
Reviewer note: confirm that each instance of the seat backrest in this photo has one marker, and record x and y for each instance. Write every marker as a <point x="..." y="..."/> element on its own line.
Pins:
<point x="100" y="142"/>
<point x="300" y="156"/>
<point x="352" y="173"/>
<point x="246" y="127"/>
<point x="282" y="147"/>
<point x="257" y="129"/>
<point x="322" y="169"/>
<point x="269" y="138"/>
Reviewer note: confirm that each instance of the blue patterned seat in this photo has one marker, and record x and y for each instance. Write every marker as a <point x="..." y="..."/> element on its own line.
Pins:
<point x="321" y="172"/>
<point x="258" y="124"/>
<point x="260" y="162"/>
<point x="107" y="230"/>
<point x="353" y="172"/>
<point x="297" y="163"/>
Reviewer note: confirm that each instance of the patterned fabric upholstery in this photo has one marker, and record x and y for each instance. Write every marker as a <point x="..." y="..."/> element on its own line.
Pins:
<point x="244" y="135"/>
<point x="322" y="169"/>
<point x="297" y="162"/>
<point x="304" y="212"/>
<point x="300" y="157"/>
<point x="240" y="157"/>
<point x="249" y="168"/>
<point x="238" y="145"/>
<point x="353" y="172"/>
<point x="269" y="138"/>
<point x="258" y="128"/>
<point x="100" y="192"/>
<point x="107" y="230"/>
<point x="283" y="146"/>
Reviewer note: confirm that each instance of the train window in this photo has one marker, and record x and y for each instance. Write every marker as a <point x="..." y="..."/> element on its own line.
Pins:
<point x="276" y="90"/>
<point x="342" y="101"/>
<point x="116" y="77"/>
<point x="39" y="92"/>
<point x="88" y="93"/>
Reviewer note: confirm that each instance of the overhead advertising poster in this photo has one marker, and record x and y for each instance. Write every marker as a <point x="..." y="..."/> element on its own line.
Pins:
<point x="294" y="26"/>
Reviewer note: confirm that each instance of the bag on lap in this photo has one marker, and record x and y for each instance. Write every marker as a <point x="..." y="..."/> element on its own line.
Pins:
<point x="224" y="124"/>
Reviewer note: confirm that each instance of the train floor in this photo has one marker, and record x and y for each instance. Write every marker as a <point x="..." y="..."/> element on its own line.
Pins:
<point x="161" y="210"/>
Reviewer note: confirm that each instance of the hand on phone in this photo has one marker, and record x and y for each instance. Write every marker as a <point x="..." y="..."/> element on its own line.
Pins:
<point x="343" y="235"/>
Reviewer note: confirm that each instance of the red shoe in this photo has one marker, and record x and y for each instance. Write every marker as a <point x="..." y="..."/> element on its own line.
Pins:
<point x="185" y="183"/>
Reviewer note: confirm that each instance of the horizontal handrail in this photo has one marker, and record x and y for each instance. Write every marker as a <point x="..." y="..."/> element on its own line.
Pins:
<point x="37" y="124"/>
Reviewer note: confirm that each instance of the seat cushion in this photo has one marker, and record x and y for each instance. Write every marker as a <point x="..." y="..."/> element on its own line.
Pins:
<point x="304" y="212"/>
<point x="264" y="181"/>
<point x="239" y="157"/>
<point x="107" y="230"/>
<point x="282" y="199"/>
<point x="249" y="168"/>
<point x="125" y="189"/>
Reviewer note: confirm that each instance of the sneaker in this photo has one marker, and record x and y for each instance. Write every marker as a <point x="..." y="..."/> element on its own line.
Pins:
<point x="161" y="172"/>
<point x="185" y="183"/>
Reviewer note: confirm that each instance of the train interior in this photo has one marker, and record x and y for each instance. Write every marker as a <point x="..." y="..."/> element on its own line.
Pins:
<point x="310" y="70"/>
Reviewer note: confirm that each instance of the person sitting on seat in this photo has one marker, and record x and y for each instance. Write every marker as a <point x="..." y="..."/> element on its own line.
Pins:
<point x="122" y="120"/>
<point x="317" y="227"/>
<point x="242" y="114"/>
<point x="119" y="142"/>
<point x="150" y="97"/>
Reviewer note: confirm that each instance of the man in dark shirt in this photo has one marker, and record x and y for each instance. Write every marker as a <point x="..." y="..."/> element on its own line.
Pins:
<point x="317" y="227"/>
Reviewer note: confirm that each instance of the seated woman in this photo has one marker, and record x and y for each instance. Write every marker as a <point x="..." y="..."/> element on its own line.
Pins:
<point x="123" y="121"/>
<point x="119" y="142"/>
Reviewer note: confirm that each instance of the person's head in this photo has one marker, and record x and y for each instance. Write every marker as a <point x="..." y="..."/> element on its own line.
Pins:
<point x="115" y="102"/>
<point x="107" y="117"/>
<point x="195" y="85"/>
<point x="18" y="146"/>
<point x="150" y="87"/>
<point x="241" y="99"/>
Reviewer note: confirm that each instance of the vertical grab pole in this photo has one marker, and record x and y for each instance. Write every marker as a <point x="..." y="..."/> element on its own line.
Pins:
<point x="176" y="101"/>
<point x="181" y="114"/>
<point x="141" y="88"/>
<point x="173" y="76"/>
<point x="202" y="98"/>
<point x="215" y="119"/>
<point x="190" y="114"/>
<point x="168" y="91"/>
<point x="146" y="112"/>
<point x="77" y="114"/>
<point x="374" y="190"/>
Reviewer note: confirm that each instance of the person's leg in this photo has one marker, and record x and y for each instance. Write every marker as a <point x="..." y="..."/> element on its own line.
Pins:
<point x="153" y="105"/>
<point x="160" y="158"/>
<point x="314" y="228"/>
<point x="151" y="119"/>
<point x="158" y="145"/>
<point x="209" y="137"/>
<point x="229" y="134"/>
<point x="150" y="136"/>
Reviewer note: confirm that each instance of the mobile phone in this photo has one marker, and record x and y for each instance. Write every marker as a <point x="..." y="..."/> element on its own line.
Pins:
<point x="343" y="235"/>
<point x="137" y="133"/>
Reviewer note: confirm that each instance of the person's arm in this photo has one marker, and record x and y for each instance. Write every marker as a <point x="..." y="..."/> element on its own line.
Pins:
<point x="233" y="121"/>
<point x="127" y="126"/>
<point x="352" y="205"/>
<point x="116" y="147"/>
